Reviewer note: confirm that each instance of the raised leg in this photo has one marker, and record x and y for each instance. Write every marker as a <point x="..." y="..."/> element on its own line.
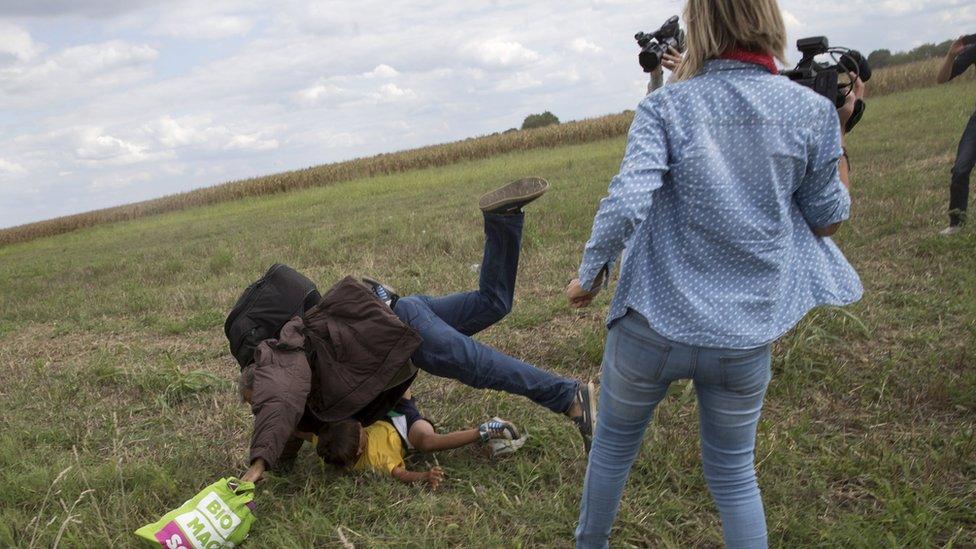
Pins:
<point x="471" y="312"/>
<point x="446" y="352"/>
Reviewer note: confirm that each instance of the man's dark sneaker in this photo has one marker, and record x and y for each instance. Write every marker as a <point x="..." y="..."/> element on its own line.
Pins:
<point x="586" y="421"/>
<point x="510" y="198"/>
<point x="385" y="293"/>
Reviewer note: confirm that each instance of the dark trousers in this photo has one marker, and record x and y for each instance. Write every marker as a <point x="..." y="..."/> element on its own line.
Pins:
<point x="447" y="323"/>
<point x="965" y="159"/>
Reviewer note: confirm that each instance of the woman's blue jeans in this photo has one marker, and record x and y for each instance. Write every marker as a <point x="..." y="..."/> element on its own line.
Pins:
<point x="638" y="366"/>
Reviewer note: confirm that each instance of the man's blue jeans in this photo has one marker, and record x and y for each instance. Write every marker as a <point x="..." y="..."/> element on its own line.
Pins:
<point x="963" y="167"/>
<point x="447" y="323"/>
<point x="638" y="366"/>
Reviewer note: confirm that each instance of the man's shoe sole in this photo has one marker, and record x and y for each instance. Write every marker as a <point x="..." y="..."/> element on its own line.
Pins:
<point x="513" y="195"/>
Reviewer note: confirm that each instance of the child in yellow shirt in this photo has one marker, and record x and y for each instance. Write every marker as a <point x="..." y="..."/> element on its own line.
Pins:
<point x="381" y="447"/>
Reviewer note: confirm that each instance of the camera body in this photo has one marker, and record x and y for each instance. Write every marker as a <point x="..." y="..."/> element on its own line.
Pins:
<point x="654" y="45"/>
<point x="824" y="78"/>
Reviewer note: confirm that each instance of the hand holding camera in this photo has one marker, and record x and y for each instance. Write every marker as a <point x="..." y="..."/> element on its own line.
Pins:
<point x="824" y="78"/>
<point x="847" y="111"/>
<point x="661" y="46"/>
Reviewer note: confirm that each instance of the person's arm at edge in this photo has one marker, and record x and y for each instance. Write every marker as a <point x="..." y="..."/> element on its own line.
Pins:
<point x="945" y="72"/>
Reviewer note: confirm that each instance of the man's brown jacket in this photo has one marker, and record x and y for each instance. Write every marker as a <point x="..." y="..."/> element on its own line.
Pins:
<point x="328" y="364"/>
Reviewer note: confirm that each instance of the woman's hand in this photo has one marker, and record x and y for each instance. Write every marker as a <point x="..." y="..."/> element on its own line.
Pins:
<point x="857" y="92"/>
<point x="671" y="59"/>
<point x="578" y="297"/>
<point x="435" y="476"/>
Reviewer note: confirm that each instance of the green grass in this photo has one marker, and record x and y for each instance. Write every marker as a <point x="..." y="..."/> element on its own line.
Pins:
<point x="117" y="399"/>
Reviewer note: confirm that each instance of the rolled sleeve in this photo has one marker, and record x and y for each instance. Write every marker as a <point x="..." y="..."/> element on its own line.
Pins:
<point x="822" y="197"/>
<point x="630" y="194"/>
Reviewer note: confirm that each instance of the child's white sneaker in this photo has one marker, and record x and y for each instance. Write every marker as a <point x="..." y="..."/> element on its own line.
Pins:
<point x="951" y="230"/>
<point x="499" y="447"/>
<point x="501" y="437"/>
<point x="497" y="428"/>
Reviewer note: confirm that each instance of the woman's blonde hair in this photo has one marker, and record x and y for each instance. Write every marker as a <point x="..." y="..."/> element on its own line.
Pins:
<point x="716" y="26"/>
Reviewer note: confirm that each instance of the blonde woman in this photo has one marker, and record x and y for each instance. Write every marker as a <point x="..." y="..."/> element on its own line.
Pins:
<point x="732" y="182"/>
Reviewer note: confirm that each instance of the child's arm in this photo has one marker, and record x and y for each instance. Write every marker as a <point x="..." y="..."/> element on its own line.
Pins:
<point x="432" y="477"/>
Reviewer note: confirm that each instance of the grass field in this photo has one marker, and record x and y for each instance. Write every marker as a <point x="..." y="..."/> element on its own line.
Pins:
<point x="117" y="399"/>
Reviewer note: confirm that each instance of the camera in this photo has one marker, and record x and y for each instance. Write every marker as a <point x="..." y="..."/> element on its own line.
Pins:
<point x="654" y="45"/>
<point x="824" y="78"/>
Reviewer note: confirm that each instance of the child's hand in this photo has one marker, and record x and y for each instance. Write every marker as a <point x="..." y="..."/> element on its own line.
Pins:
<point x="435" y="476"/>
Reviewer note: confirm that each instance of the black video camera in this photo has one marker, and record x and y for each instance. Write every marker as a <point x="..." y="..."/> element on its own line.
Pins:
<point x="824" y="78"/>
<point x="654" y="45"/>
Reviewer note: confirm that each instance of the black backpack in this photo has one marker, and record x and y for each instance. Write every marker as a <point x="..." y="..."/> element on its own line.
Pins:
<point x="265" y="306"/>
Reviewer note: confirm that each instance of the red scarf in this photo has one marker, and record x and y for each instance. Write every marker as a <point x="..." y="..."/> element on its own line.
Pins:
<point x="756" y="57"/>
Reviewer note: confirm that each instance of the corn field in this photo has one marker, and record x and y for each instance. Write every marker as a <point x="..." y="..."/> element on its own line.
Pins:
<point x="909" y="76"/>
<point x="885" y="81"/>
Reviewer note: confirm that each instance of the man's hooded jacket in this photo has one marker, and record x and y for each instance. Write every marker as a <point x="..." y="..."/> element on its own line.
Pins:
<point x="345" y="358"/>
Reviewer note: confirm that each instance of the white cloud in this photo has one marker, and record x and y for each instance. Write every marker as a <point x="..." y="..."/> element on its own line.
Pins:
<point x="250" y="142"/>
<point x="582" y="45"/>
<point x="323" y="139"/>
<point x="382" y="71"/>
<point x="200" y="132"/>
<point x="792" y="23"/>
<point x="75" y="72"/>
<point x="94" y="147"/>
<point x="17" y="43"/>
<point x="206" y="26"/>
<point x="318" y="93"/>
<point x="392" y="92"/>
<point x="119" y="180"/>
<point x="172" y="133"/>
<point x="518" y="81"/>
<point x="498" y="52"/>
<point x="8" y="168"/>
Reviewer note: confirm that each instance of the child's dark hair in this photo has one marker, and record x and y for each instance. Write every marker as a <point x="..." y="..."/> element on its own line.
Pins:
<point x="339" y="442"/>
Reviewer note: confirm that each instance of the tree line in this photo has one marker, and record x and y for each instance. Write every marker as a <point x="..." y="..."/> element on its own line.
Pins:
<point x="884" y="58"/>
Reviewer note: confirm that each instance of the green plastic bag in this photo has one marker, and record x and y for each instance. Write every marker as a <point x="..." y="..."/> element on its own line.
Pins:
<point x="219" y="516"/>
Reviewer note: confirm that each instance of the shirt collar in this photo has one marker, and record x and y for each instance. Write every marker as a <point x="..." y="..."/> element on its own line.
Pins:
<point x="718" y="65"/>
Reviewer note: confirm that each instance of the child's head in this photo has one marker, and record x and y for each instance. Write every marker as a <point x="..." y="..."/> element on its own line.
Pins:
<point x="341" y="442"/>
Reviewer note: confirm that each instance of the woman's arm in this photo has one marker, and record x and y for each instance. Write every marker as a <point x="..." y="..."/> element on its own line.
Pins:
<point x="843" y="167"/>
<point x="630" y="193"/>
<point x="843" y="170"/>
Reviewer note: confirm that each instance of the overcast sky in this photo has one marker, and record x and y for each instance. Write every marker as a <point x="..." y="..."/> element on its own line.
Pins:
<point x="104" y="102"/>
